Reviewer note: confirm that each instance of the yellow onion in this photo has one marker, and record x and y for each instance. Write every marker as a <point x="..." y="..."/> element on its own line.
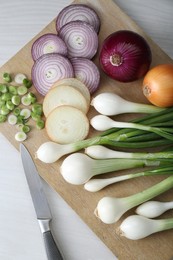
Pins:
<point x="158" y="85"/>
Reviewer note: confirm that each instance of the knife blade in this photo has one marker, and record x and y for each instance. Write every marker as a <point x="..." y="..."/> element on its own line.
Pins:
<point x="40" y="204"/>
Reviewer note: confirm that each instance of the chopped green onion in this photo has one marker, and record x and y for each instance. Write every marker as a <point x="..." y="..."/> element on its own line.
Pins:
<point x="32" y="97"/>
<point x="19" y="78"/>
<point x="10" y="105"/>
<point x="16" y="111"/>
<point x="3" y="88"/>
<point x="12" y="90"/>
<point x="4" y="110"/>
<point x="26" y="113"/>
<point x="20" y="136"/>
<point x="12" y="119"/>
<point x="6" y="96"/>
<point x="16" y="100"/>
<point x="20" y="119"/>
<point x="35" y="117"/>
<point x="25" y="100"/>
<point x="25" y="128"/>
<point x="7" y="77"/>
<point x="3" y="118"/>
<point x="37" y="109"/>
<point x="22" y="90"/>
<point x="27" y="83"/>
<point x="2" y="102"/>
<point x="40" y="124"/>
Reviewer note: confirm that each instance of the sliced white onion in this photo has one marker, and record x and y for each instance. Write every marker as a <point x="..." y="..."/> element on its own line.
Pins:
<point x="78" y="12"/>
<point x="48" y="43"/>
<point x="86" y="71"/>
<point x="80" y="38"/>
<point x="48" y="69"/>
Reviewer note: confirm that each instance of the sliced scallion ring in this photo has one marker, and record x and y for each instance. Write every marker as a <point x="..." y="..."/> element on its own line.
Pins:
<point x="20" y="136"/>
<point x="12" y="119"/>
<point x="25" y="100"/>
<point x="25" y="112"/>
<point x="19" y="78"/>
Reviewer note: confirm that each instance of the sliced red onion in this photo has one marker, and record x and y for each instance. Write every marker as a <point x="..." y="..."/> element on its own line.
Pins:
<point x="48" y="43"/>
<point x="79" y="12"/>
<point x="48" y="69"/>
<point x="80" y="38"/>
<point x="86" y="71"/>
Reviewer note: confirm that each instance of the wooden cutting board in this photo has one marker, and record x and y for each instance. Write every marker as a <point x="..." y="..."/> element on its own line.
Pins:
<point x="157" y="246"/>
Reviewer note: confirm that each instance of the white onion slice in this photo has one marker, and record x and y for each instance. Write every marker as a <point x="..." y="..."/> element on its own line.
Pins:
<point x="86" y="71"/>
<point x="80" y="38"/>
<point x="48" y="43"/>
<point x="80" y="12"/>
<point x="48" y="69"/>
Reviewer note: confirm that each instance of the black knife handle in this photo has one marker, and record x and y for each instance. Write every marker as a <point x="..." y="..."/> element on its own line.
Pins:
<point x="52" y="250"/>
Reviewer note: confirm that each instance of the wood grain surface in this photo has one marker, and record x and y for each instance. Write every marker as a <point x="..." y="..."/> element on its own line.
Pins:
<point x="83" y="202"/>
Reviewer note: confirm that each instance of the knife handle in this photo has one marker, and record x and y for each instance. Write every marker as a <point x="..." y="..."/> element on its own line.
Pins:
<point x="52" y="250"/>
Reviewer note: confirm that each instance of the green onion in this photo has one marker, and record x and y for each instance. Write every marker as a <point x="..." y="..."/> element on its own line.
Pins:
<point x="76" y="163"/>
<point x="32" y="97"/>
<point x="3" y="118"/>
<point x="27" y="83"/>
<point x="102" y="123"/>
<point x="3" y="88"/>
<point x="22" y="90"/>
<point x="37" y="109"/>
<point x="17" y="111"/>
<point x="25" y="100"/>
<point x="40" y="124"/>
<point x="110" y="209"/>
<point x="26" y="113"/>
<point x="12" y="90"/>
<point x="7" y="77"/>
<point x="145" y="226"/>
<point x="4" y="110"/>
<point x="97" y="184"/>
<point x="20" y="136"/>
<point x="6" y="96"/>
<point x="26" y="128"/>
<point x="10" y="105"/>
<point x="16" y="100"/>
<point x="12" y="119"/>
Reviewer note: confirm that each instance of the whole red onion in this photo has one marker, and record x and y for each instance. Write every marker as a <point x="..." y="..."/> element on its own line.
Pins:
<point x="125" y="56"/>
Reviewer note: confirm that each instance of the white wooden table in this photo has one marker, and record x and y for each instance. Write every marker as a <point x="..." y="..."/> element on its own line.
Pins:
<point x="20" y="236"/>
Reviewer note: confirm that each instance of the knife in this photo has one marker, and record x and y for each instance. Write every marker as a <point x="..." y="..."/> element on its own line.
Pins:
<point x="40" y="204"/>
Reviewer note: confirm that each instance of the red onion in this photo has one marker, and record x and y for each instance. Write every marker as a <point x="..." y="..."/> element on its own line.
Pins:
<point x="48" y="43"/>
<point x="86" y="71"/>
<point x="125" y="56"/>
<point x="79" y="12"/>
<point x="80" y="38"/>
<point x="48" y="69"/>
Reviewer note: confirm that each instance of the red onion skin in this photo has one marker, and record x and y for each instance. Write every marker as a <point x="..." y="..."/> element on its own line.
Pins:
<point x="129" y="53"/>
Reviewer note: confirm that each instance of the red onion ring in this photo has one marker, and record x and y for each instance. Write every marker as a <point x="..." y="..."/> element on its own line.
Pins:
<point x="86" y="71"/>
<point x="48" y="43"/>
<point x="48" y="69"/>
<point x="76" y="12"/>
<point x="125" y="56"/>
<point x="80" y="38"/>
